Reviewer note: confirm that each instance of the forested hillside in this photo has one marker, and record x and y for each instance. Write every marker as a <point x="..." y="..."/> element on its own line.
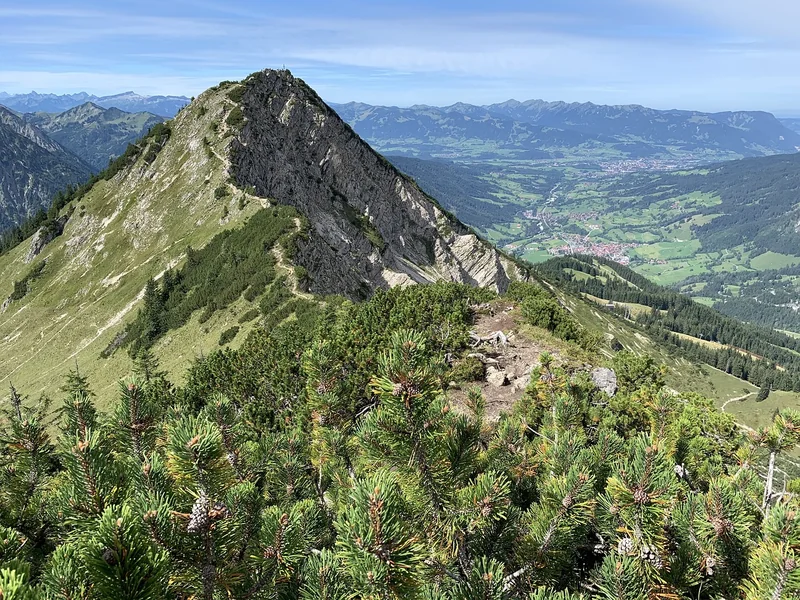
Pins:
<point x="759" y="201"/>
<point x="462" y="189"/>
<point x="765" y="357"/>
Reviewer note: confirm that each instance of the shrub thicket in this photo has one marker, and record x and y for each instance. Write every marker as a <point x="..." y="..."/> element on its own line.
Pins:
<point x="323" y="460"/>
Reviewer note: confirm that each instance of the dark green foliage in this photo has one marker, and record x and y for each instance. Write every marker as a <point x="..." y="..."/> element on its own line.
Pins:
<point x="467" y="369"/>
<point x="763" y="393"/>
<point x="237" y="93"/>
<point x="440" y="312"/>
<point x="542" y="309"/>
<point x="22" y="287"/>
<point x="637" y="371"/>
<point x="297" y="468"/>
<point x="235" y="118"/>
<point x="221" y="192"/>
<point x="228" y="335"/>
<point x="232" y="263"/>
<point x="249" y="315"/>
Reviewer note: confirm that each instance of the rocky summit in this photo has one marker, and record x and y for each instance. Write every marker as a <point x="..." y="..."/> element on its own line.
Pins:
<point x="371" y="226"/>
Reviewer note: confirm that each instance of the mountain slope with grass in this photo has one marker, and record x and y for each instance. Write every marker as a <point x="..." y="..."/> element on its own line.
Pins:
<point x="252" y="196"/>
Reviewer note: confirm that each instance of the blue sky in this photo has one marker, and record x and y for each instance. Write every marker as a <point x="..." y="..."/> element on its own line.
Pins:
<point x="699" y="54"/>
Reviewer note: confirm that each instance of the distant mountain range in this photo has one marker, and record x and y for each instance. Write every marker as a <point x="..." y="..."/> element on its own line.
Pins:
<point x="33" y="167"/>
<point x="42" y="153"/>
<point x="165" y="106"/>
<point x="539" y="129"/>
<point x="93" y="133"/>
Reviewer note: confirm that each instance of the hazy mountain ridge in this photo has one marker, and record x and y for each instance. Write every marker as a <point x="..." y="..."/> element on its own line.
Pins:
<point x="793" y="124"/>
<point x="165" y="106"/>
<point x="753" y="129"/>
<point x="92" y="132"/>
<point x="33" y="168"/>
<point x="554" y="128"/>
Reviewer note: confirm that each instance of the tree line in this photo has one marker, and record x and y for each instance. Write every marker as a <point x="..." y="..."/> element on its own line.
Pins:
<point x="755" y="354"/>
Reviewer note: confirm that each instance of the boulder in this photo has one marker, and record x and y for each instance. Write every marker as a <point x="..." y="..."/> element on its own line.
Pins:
<point x="496" y="377"/>
<point x="605" y="380"/>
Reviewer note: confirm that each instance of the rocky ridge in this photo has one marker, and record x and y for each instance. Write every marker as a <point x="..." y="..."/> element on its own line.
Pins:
<point x="371" y="226"/>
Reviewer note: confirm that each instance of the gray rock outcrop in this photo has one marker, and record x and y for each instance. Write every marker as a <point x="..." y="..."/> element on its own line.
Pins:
<point x="371" y="226"/>
<point x="605" y="380"/>
<point x="496" y="377"/>
<point x="44" y="236"/>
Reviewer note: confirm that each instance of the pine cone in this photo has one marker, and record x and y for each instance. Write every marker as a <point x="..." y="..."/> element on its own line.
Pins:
<point x="198" y="520"/>
<point x="110" y="557"/>
<point x="651" y="555"/>
<point x="722" y="527"/>
<point x="790" y="564"/>
<point x="640" y="496"/>
<point x="625" y="545"/>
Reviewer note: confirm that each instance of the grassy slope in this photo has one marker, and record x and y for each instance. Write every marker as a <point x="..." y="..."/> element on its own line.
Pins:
<point x="682" y="375"/>
<point x="123" y="232"/>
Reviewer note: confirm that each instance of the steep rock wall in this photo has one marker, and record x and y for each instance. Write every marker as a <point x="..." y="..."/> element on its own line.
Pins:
<point x="371" y="226"/>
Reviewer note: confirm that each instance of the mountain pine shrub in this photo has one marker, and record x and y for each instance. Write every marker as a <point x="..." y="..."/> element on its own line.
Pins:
<point x="323" y="460"/>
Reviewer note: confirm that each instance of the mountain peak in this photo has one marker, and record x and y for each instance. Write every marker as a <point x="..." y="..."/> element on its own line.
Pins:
<point x="357" y="203"/>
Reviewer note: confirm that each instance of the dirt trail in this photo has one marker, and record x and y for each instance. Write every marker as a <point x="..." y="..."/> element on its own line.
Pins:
<point x="739" y="399"/>
<point x="516" y="360"/>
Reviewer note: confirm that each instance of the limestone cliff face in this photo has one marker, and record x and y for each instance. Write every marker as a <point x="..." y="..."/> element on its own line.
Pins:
<point x="371" y="226"/>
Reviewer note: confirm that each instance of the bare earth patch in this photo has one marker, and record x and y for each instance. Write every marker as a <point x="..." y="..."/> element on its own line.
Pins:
<point x="514" y="361"/>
